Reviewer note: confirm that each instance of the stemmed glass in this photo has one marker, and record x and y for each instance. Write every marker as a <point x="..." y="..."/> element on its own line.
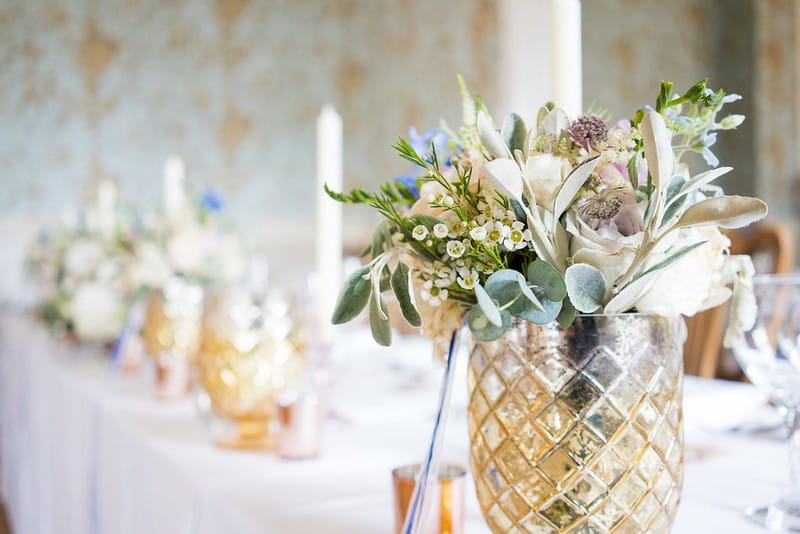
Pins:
<point x="769" y="354"/>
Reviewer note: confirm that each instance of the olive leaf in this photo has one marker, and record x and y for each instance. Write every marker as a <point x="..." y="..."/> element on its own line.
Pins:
<point x="703" y="179"/>
<point x="379" y="321"/>
<point x="506" y="176"/>
<point x="657" y="148"/>
<point x="487" y="306"/>
<point x="586" y="287"/>
<point x="672" y="258"/>
<point x="483" y="329"/>
<point x="401" y="285"/>
<point x="353" y="297"/>
<point x="544" y="275"/>
<point x="631" y="293"/>
<point x="514" y="132"/>
<point x="491" y="138"/>
<point x="730" y="211"/>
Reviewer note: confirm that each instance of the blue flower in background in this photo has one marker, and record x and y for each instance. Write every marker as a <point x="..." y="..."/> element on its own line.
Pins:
<point x="421" y="143"/>
<point x="410" y="182"/>
<point x="211" y="201"/>
<point x="708" y="141"/>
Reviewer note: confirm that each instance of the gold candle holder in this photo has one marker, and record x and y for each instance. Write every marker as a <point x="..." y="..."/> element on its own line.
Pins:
<point x="448" y="493"/>
<point x="246" y="360"/>
<point x="170" y="334"/>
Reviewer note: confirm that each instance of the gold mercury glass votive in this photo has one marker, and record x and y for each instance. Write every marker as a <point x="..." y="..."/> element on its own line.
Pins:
<point x="170" y="334"/>
<point x="248" y="356"/>
<point x="448" y="515"/>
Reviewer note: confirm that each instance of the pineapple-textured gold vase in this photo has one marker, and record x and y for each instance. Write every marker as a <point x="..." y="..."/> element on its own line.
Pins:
<point x="580" y="429"/>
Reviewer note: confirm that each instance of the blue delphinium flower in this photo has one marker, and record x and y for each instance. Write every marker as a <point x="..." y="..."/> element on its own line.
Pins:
<point x="708" y="141"/>
<point x="410" y="183"/>
<point x="210" y="201"/>
<point x="421" y="143"/>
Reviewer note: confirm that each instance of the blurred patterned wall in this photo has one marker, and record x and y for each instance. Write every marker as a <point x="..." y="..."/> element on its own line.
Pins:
<point x="108" y="88"/>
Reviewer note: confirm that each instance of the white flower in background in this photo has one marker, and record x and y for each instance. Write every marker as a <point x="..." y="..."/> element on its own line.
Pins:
<point x="433" y="294"/>
<point x="695" y="282"/>
<point x="744" y="309"/>
<point x="97" y="311"/>
<point x="455" y="249"/>
<point x="228" y="251"/>
<point x="150" y="267"/>
<point x="478" y="233"/>
<point x="545" y="173"/>
<point x="440" y="230"/>
<point x="82" y="258"/>
<point x="419" y="233"/>
<point x="187" y="249"/>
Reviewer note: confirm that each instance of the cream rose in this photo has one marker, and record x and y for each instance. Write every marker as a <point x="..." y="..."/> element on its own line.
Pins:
<point x="97" y="312"/>
<point x="545" y="173"/>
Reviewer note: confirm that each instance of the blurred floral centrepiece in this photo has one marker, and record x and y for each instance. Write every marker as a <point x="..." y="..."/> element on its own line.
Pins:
<point x="541" y="239"/>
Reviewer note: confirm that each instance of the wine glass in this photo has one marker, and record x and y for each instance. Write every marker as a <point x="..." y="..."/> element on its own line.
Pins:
<point x="769" y="356"/>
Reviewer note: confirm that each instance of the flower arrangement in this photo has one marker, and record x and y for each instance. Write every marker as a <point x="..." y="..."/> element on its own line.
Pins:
<point x="93" y="266"/>
<point x="575" y="215"/>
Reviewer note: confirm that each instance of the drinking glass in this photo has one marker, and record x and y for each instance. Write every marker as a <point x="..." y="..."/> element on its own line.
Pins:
<point x="769" y="356"/>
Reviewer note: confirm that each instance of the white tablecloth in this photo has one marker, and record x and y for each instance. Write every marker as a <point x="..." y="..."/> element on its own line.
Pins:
<point x="86" y="450"/>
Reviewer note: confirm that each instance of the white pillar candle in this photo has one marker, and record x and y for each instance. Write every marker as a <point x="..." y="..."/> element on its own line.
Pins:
<point x="329" y="218"/>
<point x="565" y="66"/>
<point x="106" y="202"/>
<point x="174" y="188"/>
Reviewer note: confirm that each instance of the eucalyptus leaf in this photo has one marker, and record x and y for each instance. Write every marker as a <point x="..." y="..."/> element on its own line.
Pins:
<point x="491" y="138"/>
<point x="379" y="321"/>
<point x="657" y="148"/>
<point x="514" y="132"/>
<point x="547" y="314"/>
<point x="510" y="287"/>
<point x="353" y="297"/>
<point x="567" y="314"/>
<point x="506" y="176"/>
<point x="586" y="287"/>
<point x="571" y="186"/>
<point x="483" y="329"/>
<point x="545" y="276"/>
<point x="488" y="307"/>
<point x="729" y="211"/>
<point x="555" y="122"/>
<point x="401" y="285"/>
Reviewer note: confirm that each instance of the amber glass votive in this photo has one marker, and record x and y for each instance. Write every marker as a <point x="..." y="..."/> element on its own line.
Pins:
<point x="447" y="516"/>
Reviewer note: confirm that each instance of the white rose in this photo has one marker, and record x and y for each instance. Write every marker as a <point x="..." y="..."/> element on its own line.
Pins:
<point x="82" y="258"/>
<point x="187" y="249"/>
<point x="545" y="173"/>
<point x="694" y="283"/>
<point x="150" y="267"/>
<point x="97" y="312"/>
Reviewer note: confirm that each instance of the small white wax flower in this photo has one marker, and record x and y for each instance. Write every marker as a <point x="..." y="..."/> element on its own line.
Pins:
<point x="457" y="229"/>
<point x="432" y="294"/>
<point x="441" y="230"/>
<point x="478" y="233"/>
<point x="468" y="280"/>
<point x="419" y="233"/>
<point x="496" y="232"/>
<point x="455" y="249"/>
<point x="516" y="237"/>
<point x="448" y="201"/>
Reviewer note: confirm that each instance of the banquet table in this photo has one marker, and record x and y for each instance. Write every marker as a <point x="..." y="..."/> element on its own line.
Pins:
<point x="85" y="448"/>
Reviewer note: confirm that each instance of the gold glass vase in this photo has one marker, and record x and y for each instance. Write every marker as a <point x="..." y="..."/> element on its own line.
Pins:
<point x="248" y="356"/>
<point x="579" y="429"/>
<point x="171" y="332"/>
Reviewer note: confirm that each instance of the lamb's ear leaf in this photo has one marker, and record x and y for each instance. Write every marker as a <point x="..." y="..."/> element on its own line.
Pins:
<point x="353" y="297"/>
<point x="506" y="176"/>
<point x="631" y="293"/>
<point x="571" y="186"/>
<point x="491" y="139"/>
<point x="379" y="321"/>
<point x="514" y="132"/>
<point x="403" y="290"/>
<point x="487" y="306"/>
<point x="730" y="211"/>
<point x="657" y="148"/>
<point x="554" y="122"/>
<point x="586" y="287"/>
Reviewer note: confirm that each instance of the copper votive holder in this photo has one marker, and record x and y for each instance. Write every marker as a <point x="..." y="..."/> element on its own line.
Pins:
<point x="173" y="378"/>
<point x="448" y="492"/>
<point x="300" y="426"/>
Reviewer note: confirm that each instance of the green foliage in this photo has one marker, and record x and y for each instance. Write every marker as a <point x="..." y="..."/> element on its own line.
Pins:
<point x="353" y="297"/>
<point x="379" y="321"/>
<point x="586" y="287"/>
<point x="401" y="285"/>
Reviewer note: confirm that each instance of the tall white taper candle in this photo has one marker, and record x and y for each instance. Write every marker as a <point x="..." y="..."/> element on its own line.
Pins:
<point x="329" y="218"/>
<point x="174" y="188"/>
<point x="566" y="63"/>
<point x="106" y="202"/>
